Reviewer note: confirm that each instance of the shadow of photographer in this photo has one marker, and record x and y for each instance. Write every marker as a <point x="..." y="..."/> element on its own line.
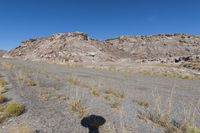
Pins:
<point x="93" y="122"/>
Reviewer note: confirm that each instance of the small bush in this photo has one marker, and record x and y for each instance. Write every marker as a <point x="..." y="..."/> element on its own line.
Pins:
<point x="94" y="91"/>
<point x="189" y="128"/>
<point x="187" y="76"/>
<point x="14" y="109"/>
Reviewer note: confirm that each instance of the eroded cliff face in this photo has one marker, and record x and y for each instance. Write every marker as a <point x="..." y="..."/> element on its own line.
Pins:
<point x="78" y="47"/>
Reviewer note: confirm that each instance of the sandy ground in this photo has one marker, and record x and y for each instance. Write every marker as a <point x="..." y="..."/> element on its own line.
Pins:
<point x="108" y="94"/>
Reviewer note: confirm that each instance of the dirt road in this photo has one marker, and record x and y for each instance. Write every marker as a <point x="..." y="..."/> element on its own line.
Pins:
<point x="57" y="97"/>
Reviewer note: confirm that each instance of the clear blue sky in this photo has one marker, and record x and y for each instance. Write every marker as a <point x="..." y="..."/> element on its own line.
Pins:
<point x="101" y="19"/>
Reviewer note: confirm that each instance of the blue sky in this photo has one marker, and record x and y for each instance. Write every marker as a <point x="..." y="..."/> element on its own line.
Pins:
<point x="101" y="19"/>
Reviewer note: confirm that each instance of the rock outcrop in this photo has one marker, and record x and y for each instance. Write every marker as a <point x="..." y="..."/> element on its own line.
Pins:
<point x="65" y="47"/>
<point x="78" y="47"/>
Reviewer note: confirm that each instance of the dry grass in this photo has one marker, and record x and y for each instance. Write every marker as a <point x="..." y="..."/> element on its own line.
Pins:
<point x="62" y="97"/>
<point x="183" y="76"/>
<point x="74" y="81"/>
<point x="8" y="65"/>
<point x="77" y="107"/>
<point x="141" y="102"/>
<point x="118" y="94"/>
<point x="30" y="82"/>
<point x="45" y="94"/>
<point x="24" y="79"/>
<point x="2" y="98"/>
<point x="114" y="98"/>
<point x="21" y="128"/>
<point x="115" y="104"/>
<point x="164" y="119"/>
<point x="113" y="68"/>
<point x="113" y="101"/>
<point x="2" y="90"/>
<point x="167" y="122"/>
<point x="94" y="91"/>
<point x="73" y="65"/>
<point x="3" y="82"/>
<point x="170" y="74"/>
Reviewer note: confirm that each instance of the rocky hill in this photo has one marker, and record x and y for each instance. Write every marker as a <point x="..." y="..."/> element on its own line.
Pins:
<point x="78" y="47"/>
<point x="2" y="52"/>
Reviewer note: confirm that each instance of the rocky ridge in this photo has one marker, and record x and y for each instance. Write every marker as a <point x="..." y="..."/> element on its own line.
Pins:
<point x="79" y="47"/>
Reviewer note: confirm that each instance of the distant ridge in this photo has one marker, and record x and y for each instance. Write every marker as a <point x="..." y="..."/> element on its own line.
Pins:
<point x="2" y="52"/>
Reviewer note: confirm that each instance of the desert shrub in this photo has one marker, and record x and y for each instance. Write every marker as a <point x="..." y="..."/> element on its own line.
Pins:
<point x="14" y="109"/>
<point x="141" y="102"/>
<point x="78" y="107"/>
<point x="187" y="76"/>
<point x="189" y="128"/>
<point x="94" y="91"/>
<point x="30" y="82"/>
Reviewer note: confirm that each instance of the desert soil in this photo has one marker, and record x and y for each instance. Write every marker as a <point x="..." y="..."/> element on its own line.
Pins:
<point x="110" y="94"/>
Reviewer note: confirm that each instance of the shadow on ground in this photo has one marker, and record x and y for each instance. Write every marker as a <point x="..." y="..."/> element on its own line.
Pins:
<point x="93" y="122"/>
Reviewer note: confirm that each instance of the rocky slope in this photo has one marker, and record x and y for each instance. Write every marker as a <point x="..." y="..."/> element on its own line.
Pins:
<point x="78" y="47"/>
<point x="2" y="52"/>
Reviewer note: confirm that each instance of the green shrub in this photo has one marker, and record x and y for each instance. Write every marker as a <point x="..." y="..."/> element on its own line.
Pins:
<point x="189" y="128"/>
<point x="14" y="109"/>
